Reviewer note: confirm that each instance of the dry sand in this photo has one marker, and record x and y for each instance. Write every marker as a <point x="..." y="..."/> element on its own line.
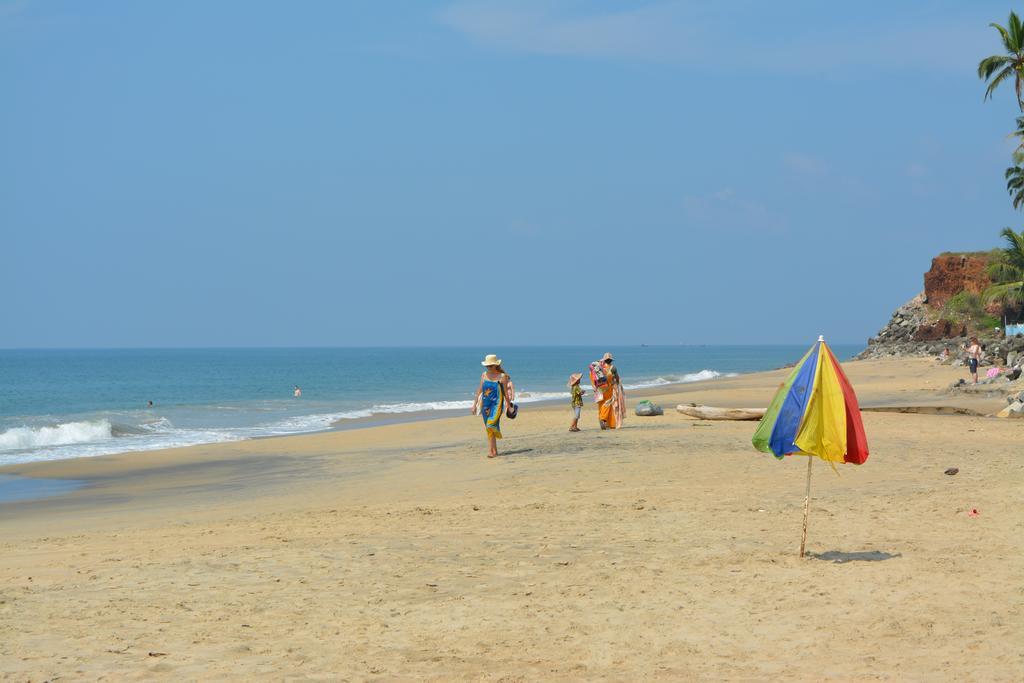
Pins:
<point x="665" y="550"/>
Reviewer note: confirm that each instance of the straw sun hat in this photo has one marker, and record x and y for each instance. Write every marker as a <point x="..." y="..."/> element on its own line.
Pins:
<point x="490" y="359"/>
<point x="575" y="377"/>
<point x="607" y="356"/>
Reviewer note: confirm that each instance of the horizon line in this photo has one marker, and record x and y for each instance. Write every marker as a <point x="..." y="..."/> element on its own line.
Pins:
<point x="403" y="346"/>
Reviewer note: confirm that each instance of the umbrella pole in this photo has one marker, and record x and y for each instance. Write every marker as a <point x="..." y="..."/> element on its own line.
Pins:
<point x="807" y="506"/>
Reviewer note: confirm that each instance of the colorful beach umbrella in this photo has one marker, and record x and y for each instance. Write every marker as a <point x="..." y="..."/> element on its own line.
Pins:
<point x="814" y="413"/>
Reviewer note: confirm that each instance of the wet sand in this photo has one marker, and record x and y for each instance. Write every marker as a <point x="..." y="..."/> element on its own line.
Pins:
<point x="665" y="550"/>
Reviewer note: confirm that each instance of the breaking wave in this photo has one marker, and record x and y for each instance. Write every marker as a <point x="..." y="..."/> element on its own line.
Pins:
<point x="18" y="438"/>
<point x="701" y="376"/>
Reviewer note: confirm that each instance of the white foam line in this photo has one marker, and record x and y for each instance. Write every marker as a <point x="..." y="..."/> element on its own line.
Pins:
<point x="100" y="437"/>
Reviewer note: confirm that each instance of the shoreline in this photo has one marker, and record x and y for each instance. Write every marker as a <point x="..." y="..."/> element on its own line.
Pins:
<point x="385" y="418"/>
<point x="38" y="428"/>
<point x="381" y="421"/>
<point x="725" y="391"/>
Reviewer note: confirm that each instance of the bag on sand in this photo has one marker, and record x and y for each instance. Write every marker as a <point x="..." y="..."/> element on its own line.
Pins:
<point x="648" y="409"/>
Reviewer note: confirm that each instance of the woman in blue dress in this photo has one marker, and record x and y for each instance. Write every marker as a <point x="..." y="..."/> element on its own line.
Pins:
<point x="492" y="396"/>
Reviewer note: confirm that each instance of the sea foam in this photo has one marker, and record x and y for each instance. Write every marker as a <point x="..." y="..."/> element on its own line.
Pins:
<point x="135" y="432"/>
<point x="65" y="434"/>
<point x="701" y="376"/>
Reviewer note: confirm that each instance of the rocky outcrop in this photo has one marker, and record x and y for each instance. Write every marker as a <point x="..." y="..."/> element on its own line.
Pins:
<point x="897" y="337"/>
<point x="918" y="327"/>
<point x="1005" y="352"/>
<point x="941" y="329"/>
<point x="893" y="340"/>
<point x="914" y="348"/>
<point x="916" y="330"/>
<point x="954" y="273"/>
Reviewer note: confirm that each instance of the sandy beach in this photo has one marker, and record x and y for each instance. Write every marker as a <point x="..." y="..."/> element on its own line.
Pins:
<point x="662" y="551"/>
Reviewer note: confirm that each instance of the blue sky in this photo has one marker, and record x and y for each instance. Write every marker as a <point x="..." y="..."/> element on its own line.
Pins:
<point x="387" y="173"/>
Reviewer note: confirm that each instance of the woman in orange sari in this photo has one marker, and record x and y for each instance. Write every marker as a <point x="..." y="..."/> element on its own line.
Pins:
<point x="611" y="401"/>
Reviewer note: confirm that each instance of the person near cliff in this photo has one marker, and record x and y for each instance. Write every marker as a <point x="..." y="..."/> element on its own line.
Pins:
<point x="973" y="357"/>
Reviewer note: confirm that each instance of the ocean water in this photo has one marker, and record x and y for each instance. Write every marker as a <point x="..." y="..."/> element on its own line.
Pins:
<point x="58" y="404"/>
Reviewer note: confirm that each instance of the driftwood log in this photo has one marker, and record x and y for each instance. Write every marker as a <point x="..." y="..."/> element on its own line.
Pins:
<point x="713" y="413"/>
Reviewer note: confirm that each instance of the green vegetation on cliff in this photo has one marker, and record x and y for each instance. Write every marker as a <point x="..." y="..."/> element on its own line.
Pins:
<point x="969" y="308"/>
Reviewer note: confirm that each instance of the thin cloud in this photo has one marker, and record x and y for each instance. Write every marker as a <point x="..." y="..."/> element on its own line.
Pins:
<point x="727" y="209"/>
<point x="11" y="8"/>
<point x="654" y="32"/>
<point x="705" y="36"/>
<point x="813" y="172"/>
<point x="804" y="164"/>
<point x="916" y="169"/>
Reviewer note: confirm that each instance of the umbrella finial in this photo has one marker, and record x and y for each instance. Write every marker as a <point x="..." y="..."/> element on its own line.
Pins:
<point x="821" y="337"/>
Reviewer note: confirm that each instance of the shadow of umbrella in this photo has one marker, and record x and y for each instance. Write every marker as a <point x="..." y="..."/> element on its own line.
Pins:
<point x="840" y="557"/>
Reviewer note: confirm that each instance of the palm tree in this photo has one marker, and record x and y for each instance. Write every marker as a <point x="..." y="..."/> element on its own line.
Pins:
<point x="1007" y="271"/>
<point x="1018" y="154"/>
<point x="998" y="68"/>
<point x="1015" y="185"/>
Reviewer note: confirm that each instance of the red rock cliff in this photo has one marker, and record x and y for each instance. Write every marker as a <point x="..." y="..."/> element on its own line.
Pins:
<point x="952" y="273"/>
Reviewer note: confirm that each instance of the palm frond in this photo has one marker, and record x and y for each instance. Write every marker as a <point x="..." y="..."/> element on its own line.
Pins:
<point x="1016" y="32"/>
<point x="1004" y="35"/>
<point x="990" y="65"/>
<point x="1019" y="133"/>
<point x="1013" y="252"/>
<point x="997" y="68"/>
<point x="1014" y="241"/>
<point x="1001" y="272"/>
<point x="1006" y="292"/>
<point x="1015" y="185"/>
<point x="999" y="78"/>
